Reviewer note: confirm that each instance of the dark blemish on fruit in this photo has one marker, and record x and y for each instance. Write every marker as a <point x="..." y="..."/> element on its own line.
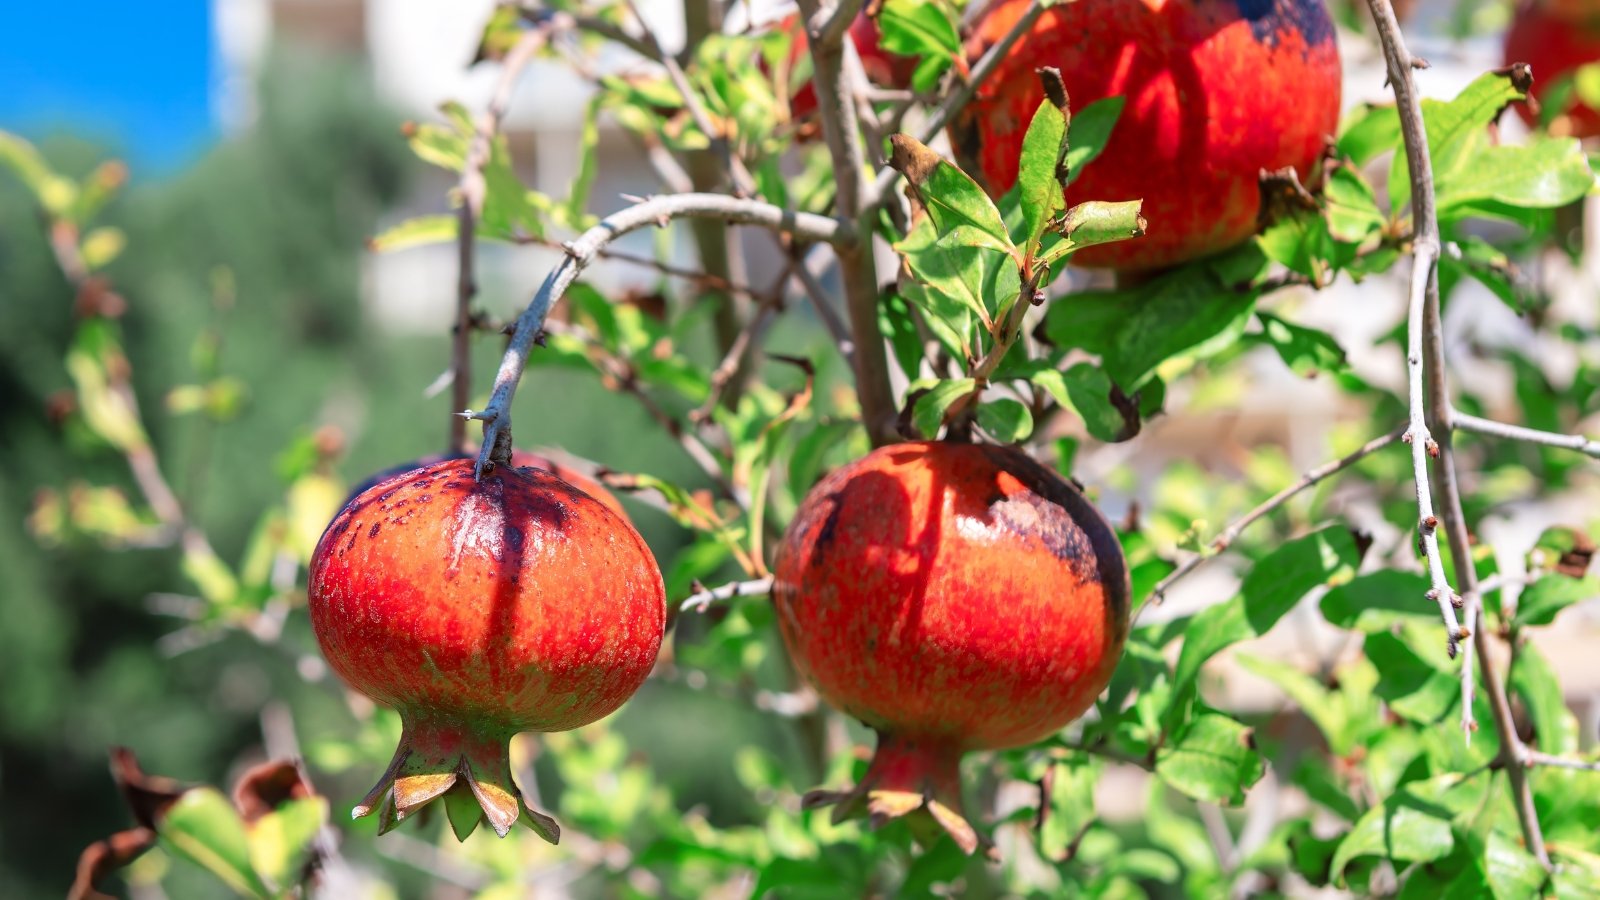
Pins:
<point x="514" y="538"/>
<point x="425" y="498"/>
<point x="373" y="531"/>
<point x="830" y="524"/>
<point x="1028" y="515"/>
<point x="398" y="505"/>
<point x="387" y="495"/>
<point x="352" y="541"/>
<point x="1269" y="19"/>
<point x="339" y="527"/>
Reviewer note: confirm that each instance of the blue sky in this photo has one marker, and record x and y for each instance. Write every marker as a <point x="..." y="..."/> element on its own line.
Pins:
<point x="135" y="75"/>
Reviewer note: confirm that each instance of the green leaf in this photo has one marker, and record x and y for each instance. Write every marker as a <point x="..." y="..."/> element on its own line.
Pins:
<point x="1352" y="206"/>
<point x="280" y="840"/>
<point x="1544" y="174"/>
<point x="1086" y="389"/>
<point x="416" y="232"/>
<point x="588" y="161"/>
<point x="1319" y="704"/>
<point x="1071" y="803"/>
<point x="1191" y="312"/>
<point x="1301" y="243"/>
<point x="1369" y="130"/>
<point x="1098" y="222"/>
<point x="1212" y="759"/>
<point x="1272" y="588"/>
<point x="1546" y="598"/>
<point x="1555" y="728"/>
<point x="955" y="275"/>
<point x="1306" y="351"/>
<point x="1314" y="776"/>
<point x="204" y="828"/>
<point x="1414" y="674"/>
<point x="1379" y="600"/>
<point x="928" y="414"/>
<point x="1456" y="130"/>
<point x="1413" y="824"/>
<point x="1513" y="872"/>
<point x="961" y="211"/>
<point x="923" y="30"/>
<point x="1089" y="132"/>
<point x="896" y="323"/>
<point x="1040" y="191"/>
<point x="1006" y="420"/>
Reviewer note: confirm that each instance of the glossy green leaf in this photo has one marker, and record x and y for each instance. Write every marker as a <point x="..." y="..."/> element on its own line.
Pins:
<point x="1314" y="699"/>
<point x="923" y="30"/>
<point x="1544" y="174"/>
<point x="1307" y="351"/>
<point x="1085" y="389"/>
<point x="281" y="839"/>
<point x="416" y="232"/>
<point x="1351" y="206"/>
<point x="1368" y="131"/>
<point x="1543" y="600"/>
<point x="204" y="828"/>
<point x="1414" y="823"/>
<point x="1040" y="191"/>
<point x="962" y="213"/>
<point x="1192" y="312"/>
<point x="1089" y="132"/>
<point x="928" y="415"/>
<point x="1098" y="222"/>
<point x="1006" y="420"/>
<point x="1513" y="872"/>
<point x="1212" y="759"/>
<point x="1378" y="600"/>
<point x="1415" y="678"/>
<point x="1273" y="586"/>
<point x="1457" y="130"/>
<point x="1555" y="728"/>
<point x="896" y="322"/>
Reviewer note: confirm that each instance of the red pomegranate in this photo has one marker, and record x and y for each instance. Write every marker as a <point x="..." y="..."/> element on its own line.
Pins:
<point x="519" y="458"/>
<point x="953" y="597"/>
<point x="480" y="609"/>
<point x="1215" y="91"/>
<point x="1556" y="38"/>
<point x="883" y="68"/>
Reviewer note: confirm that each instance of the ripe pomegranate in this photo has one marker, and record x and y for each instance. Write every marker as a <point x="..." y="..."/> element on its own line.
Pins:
<point x="1215" y="90"/>
<point x="883" y="68"/>
<point x="1557" y="38"/>
<point x="952" y="597"/>
<point x="480" y="609"/>
<point x="519" y="458"/>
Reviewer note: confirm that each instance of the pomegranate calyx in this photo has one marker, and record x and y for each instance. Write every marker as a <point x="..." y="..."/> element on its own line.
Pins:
<point x="916" y="779"/>
<point x="470" y="768"/>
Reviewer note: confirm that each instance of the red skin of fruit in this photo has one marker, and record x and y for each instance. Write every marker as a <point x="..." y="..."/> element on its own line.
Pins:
<point x="480" y="609"/>
<point x="885" y="69"/>
<point x="953" y="597"/>
<point x="519" y="458"/>
<point x="1216" y="91"/>
<point x="1555" y="40"/>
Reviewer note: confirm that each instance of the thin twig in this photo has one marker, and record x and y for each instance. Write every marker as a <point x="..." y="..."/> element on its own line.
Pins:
<point x="703" y="598"/>
<point x="698" y="276"/>
<point x="1231" y="533"/>
<point x="749" y="338"/>
<point x="836" y="106"/>
<point x="621" y="373"/>
<point x="473" y="189"/>
<point x="1426" y="350"/>
<point x="1491" y="428"/>
<point x="582" y="251"/>
<point x="1540" y="758"/>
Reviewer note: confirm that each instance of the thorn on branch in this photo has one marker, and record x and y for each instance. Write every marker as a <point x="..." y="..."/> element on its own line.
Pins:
<point x="1419" y="63"/>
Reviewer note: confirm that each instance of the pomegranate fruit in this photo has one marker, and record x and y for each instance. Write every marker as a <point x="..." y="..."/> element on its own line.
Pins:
<point x="480" y="609"/>
<point x="1557" y="38"/>
<point x="1215" y="92"/>
<point x="883" y="68"/>
<point x="952" y="597"/>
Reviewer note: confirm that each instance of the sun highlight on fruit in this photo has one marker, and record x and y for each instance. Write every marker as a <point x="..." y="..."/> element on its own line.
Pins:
<point x="479" y="609"/>
<point x="1214" y="92"/>
<point x="952" y="597"/>
<point x="519" y="459"/>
